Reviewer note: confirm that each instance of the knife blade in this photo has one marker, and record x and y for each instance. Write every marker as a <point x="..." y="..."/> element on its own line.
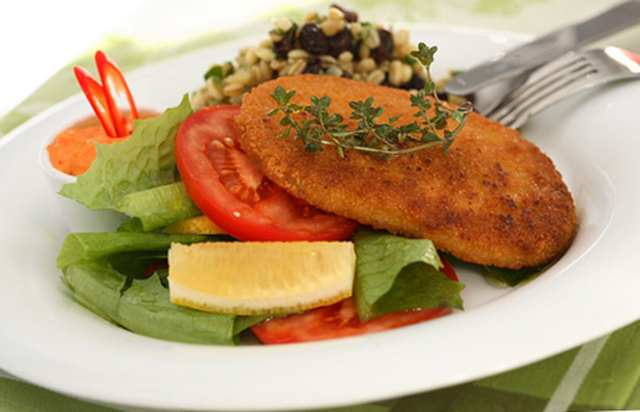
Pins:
<point x="545" y="48"/>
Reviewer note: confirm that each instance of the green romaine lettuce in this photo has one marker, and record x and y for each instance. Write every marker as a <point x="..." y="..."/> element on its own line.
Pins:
<point x="144" y="307"/>
<point x="105" y="273"/>
<point x="160" y="206"/>
<point x="82" y="247"/>
<point x="141" y="305"/>
<point x="507" y="277"/>
<point x="395" y="273"/>
<point x="514" y="277"/>
<point x="130" y="176"/>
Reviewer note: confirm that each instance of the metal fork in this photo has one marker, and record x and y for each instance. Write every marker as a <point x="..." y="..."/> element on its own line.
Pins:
<point x="561" y="78"/>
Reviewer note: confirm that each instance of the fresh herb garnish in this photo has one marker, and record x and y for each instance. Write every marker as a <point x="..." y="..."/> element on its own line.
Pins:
<point x="379" y="139"/>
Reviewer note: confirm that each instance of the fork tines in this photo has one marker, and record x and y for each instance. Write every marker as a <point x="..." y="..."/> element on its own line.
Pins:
<point x="561" y="78"/>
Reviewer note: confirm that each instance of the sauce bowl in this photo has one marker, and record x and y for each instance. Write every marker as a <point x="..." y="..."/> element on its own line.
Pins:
<point x="79" y="218"/>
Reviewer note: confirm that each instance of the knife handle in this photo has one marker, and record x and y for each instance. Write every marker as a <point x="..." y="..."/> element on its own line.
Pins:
<point x="546" y="48"/>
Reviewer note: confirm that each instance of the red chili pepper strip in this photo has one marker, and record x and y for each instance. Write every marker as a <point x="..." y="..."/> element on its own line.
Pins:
<point x="96" y="96"/>
<point x="116" y="90"/>
<point x="149" y="271"/>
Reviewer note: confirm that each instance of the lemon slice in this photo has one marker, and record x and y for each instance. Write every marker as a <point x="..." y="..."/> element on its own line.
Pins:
<point x="257" y="278"/>
<point x="199" y="225"/>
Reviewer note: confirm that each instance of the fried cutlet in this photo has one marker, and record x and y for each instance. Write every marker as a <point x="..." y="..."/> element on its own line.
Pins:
<point x="493" y="199"/>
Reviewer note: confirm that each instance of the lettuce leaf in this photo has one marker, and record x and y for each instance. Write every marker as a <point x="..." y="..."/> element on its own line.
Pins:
<point x="141" y="305"/>
<point x="144" y="308"/>
<point x="508" y="277"/>
<point x="104" y="271"/>
<point x="395" y="273"/>
<point x="128" y="176"/>
<point x="160" y="206"/>
<point x="82" y="247"/>
<point x="513" y="277"/>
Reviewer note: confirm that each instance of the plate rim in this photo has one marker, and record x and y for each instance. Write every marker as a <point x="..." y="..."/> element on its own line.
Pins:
<point x="377" y="340"/>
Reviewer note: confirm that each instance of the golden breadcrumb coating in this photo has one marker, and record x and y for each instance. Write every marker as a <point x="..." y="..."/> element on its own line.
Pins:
<point x="494" y="199"/>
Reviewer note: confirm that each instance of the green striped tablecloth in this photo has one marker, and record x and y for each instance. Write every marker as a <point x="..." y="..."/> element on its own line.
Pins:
<point x="600" y="375"/>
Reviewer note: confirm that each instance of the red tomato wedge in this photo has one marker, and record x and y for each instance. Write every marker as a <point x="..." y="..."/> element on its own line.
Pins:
<point x="235" y="195"/>
<point x="341" y="320"/>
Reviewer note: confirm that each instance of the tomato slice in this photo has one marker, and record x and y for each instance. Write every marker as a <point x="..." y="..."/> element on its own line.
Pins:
<point x="236" y="195"/>
<point x="341" y="320"/>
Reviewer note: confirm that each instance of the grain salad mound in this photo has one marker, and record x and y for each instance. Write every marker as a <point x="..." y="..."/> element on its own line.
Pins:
<point x="336" y="44"/>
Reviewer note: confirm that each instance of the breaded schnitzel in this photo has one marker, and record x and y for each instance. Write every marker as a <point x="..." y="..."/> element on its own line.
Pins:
<point x="493" y="199"/>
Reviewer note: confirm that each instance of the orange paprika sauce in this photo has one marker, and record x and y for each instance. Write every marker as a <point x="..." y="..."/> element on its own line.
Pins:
<point x="73" y="151"/>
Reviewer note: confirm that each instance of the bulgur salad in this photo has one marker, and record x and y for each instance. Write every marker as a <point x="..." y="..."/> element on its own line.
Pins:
<point x="336" y="44"/>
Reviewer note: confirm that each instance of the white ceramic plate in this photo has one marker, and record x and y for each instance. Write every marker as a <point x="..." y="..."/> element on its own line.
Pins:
<point x="48" y="339"/>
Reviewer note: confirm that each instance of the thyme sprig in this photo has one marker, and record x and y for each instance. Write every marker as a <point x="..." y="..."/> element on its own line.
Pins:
<point x="384" y="140"/>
